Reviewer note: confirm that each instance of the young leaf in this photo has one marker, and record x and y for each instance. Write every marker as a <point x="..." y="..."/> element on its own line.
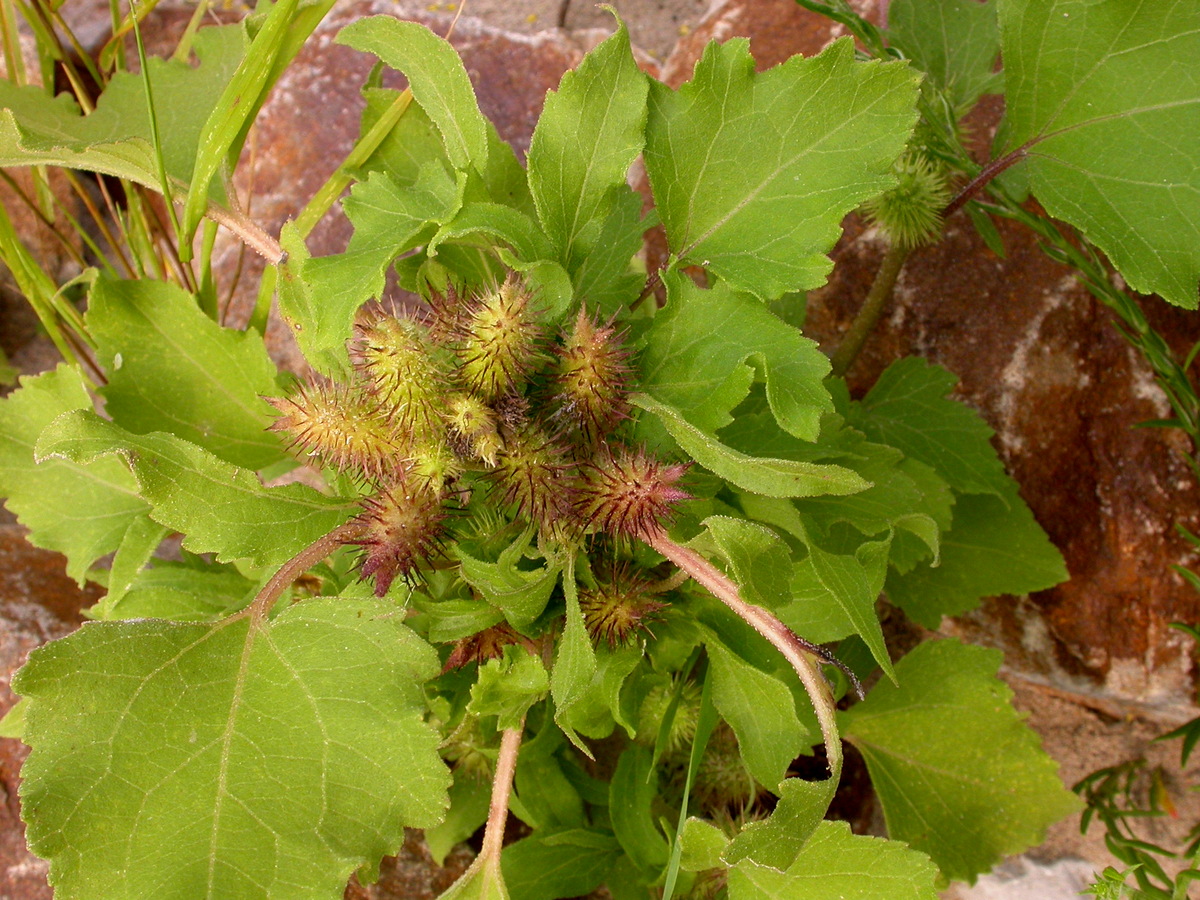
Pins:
<point x="597" y="709"/>
<point x="908" y="409"/>
<point x="759" y="561"/>
<point x="82" y="511"/>
<point x="588" y="135"/>
<point x="838" y="865"/>
<point x="218" y="507"/>
<point x="438" y="80"/>
<point x="1110" y="95"/>
<point x="959" y="774"/>
<point x="752" y="174"/>
<point x="171" y="368"/>
<point x="241" y="759"/>
<point x="993" y="547"/>
<point x="508" y="687"/>
<point x="954" y="42"/>
<point x="705" y="347"/>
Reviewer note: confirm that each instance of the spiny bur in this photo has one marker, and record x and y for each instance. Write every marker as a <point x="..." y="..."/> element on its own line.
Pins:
<point x="401" y="529"/>
<point x="910" y="214"/>
<point x="498" y="342"/>
<point x="620" y="605"/>
<point x="629" y="493"/>
<point x="591" y="377"/>
<point x="342" y="426"/>
<point x="395" y="358"/>
<point x="533" y="473"/>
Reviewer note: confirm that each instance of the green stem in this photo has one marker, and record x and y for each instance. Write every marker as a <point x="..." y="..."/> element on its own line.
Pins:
<point x="872" y="308"/>
<point x="777" y="634"/>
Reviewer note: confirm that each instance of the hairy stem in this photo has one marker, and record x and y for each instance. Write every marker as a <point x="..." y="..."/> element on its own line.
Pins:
<point x="506" y="767"/>
<point x="872" y="308"/>
<point x="297" y="566"/>
<point x="248" y="232"/>
<point x="781" y="637"/>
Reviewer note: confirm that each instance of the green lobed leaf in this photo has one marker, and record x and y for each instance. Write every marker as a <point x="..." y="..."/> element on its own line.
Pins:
<point x="140" y="541"/>
<point x="242" y="759"/>
<point x="776" y="840"/>
<point x="770" y="477"/>
<point x="219" y="508"/>
<point x="172" y="368"/>
<point x="81" y="510"/>
<point x="597" y="708"/>
<point x="852" y="584"/>
<point x="838" y="865"/>
<point x="994" y="546"/>
<point x="606" y="280"/>
<point x="188" y="591"/>
<point x="753" y="173"/>
<point x="520" y="593"/>
<point x="1110" y="94"/>
<point x="908" y="409"/>
<point x="319" y="296"/>
<point x="702" y="844"/>
<point x="759" y="561"/>
<point x="589" y="133"/>
<point x="958" y="772"/>
<point x="954" y="42"/>
<point x="508" y="687"/>
<point x="437" y="77"/>
<point x="760" y="709"/>
<point x="704" y="348"/>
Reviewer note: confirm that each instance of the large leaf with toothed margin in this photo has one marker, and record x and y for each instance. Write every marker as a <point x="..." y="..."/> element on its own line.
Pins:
<point x="958" y="772"/>
<point x="753" y="173"/>
<point x="218" y="507"/>
<point x="1109" y="92"/>
<point x="81" y="510"/>
<point x="248" y="758"/>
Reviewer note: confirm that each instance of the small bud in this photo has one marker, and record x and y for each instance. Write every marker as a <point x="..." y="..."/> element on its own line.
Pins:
<point x="591" y="378"/>
<point x="621" y="604"/>
<point x="629" y="493"/>
<point x="485" y="645"/>
<point x="340" y="425"/>
<point x="910" y="214"/>
<point x="401" y="530"/>
<point x="498" y="343"/>
<point x="473" y="426"/>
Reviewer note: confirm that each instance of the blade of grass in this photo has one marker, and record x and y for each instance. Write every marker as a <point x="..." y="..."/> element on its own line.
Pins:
<point x="278" y="40"/>
<point x="705" y="723"/>
<point x="33" y="282"/>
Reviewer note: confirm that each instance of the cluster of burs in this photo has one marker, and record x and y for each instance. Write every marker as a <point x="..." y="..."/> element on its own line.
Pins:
<point x="476" y="396"/>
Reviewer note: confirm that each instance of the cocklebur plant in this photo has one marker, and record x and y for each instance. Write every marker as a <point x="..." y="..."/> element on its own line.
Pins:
<point x="550" y="545"/>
